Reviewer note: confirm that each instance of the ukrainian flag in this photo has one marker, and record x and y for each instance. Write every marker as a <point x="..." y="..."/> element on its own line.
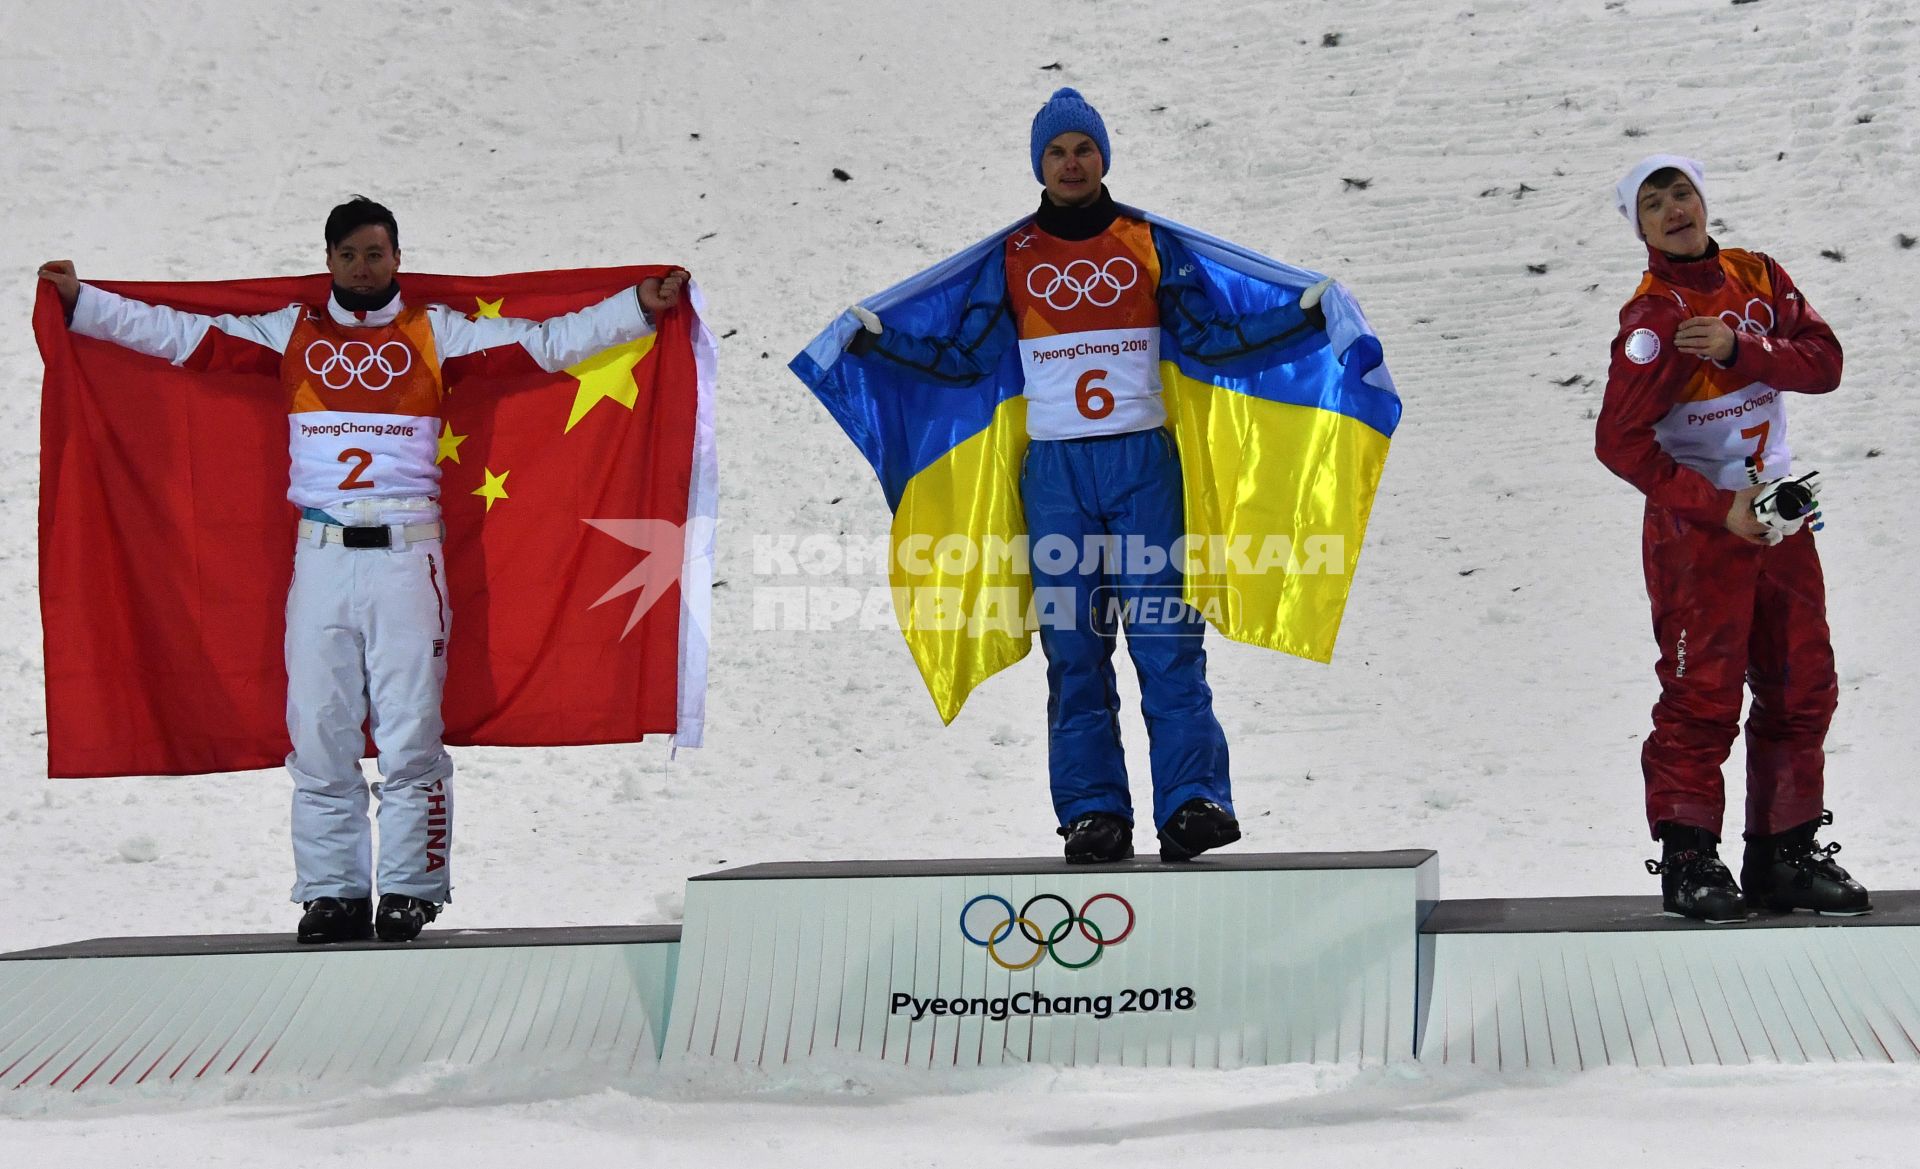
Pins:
<point x="1281" y="451"/>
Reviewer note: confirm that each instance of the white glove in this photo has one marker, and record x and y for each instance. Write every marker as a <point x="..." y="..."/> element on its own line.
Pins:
<point x="1311" y="296"/>
<point x="1785" y="504"/>
<point x="866" y="317"/>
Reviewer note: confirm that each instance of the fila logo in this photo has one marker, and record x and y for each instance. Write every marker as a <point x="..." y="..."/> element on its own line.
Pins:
<point x="439" y="647"/>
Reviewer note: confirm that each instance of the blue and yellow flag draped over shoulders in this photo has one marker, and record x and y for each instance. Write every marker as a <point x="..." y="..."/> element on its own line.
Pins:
<point x="1279" y="451"/>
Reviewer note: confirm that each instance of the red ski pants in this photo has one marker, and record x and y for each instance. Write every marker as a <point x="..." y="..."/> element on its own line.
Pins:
<point x="1726" y="611"/>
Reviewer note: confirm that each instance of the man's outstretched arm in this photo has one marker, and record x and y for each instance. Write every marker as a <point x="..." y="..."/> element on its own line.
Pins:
<point x="1207" y="334"/>
<point x="190" y="340"/>
<point x="984" y="335"/>
<point x="558" y="342"/>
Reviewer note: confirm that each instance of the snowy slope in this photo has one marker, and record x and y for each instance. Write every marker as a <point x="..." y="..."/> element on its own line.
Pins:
<point x="1494" y="675"/>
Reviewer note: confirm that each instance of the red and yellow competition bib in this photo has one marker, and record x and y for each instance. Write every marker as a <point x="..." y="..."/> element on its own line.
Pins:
<point x="364" y="408"/>
<point x="1088" y="317"/>
<point x="1721" y="418"/>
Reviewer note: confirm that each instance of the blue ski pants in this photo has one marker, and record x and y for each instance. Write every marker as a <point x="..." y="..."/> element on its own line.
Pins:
<point x="1118" y="501"/>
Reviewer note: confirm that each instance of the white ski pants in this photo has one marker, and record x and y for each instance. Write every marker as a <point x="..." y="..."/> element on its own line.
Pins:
<point x="366" y="644"/>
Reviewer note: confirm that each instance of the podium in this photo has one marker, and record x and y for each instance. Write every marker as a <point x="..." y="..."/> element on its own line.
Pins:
<point x="1235" y="960"/>
<point x="1586" y="982"/>
<point x="147" y="1013"/>
<point x="1230" y="961"/>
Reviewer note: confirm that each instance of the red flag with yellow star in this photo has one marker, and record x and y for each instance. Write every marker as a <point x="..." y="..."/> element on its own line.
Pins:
<point x="578" y="505"/>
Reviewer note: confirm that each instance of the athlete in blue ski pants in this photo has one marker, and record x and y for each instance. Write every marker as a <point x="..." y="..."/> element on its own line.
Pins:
<point x="1121" y="495"/>
<point x="1094" y="298"/>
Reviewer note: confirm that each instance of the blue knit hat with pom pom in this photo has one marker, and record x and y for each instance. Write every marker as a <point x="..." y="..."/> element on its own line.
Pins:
<point x="1066" y="111"/>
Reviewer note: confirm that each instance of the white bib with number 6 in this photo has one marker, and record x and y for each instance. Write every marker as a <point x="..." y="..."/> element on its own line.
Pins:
<point x="1084" y="384"/>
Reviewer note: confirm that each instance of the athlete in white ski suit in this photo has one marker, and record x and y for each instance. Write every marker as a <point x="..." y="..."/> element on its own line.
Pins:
<point x="367" y="619"/>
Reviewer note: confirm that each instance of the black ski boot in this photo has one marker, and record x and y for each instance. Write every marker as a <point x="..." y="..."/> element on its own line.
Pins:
<point x="1693" y="882"/>
<point x="336" y="919"/>
<point x="1098" y="838"/>
<point x="1790" y="870"/>
<point x="401" y="918"/>
<point x="1195" y="827"/>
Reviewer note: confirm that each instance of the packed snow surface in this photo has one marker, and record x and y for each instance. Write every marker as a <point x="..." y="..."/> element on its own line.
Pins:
<point x="1450" y="162"/>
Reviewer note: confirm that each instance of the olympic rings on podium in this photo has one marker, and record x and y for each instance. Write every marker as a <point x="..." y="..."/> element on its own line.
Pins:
<point x="1045" y="942"/>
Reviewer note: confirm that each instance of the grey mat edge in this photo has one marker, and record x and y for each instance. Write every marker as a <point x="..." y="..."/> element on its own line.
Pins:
<point x="1409" y="858"/>
<point x="190" y="945"/>
<point x="1600" y="915"/>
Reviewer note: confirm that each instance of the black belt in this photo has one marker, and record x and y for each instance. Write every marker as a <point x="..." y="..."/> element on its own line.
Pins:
<point x="371" y="535"/>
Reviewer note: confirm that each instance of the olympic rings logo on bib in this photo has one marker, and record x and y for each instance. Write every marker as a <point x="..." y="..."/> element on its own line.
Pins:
<point x="1745" y="322"/>
<point x="1099" y="285"/>
<point x="1047" y="941"/>
<point x="358" y="361"/>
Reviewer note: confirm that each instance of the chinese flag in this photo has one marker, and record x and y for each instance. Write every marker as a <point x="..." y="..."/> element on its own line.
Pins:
<point x="578" y="505"/>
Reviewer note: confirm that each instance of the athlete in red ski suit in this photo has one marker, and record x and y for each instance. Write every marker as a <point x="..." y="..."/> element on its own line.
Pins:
<point x="1682" y="428"/>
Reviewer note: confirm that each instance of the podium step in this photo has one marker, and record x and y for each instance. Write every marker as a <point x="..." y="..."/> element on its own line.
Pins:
<point x="1586" y="982"/>
<point x="149" y="1012"/>
<point x="1234" y="960"/>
